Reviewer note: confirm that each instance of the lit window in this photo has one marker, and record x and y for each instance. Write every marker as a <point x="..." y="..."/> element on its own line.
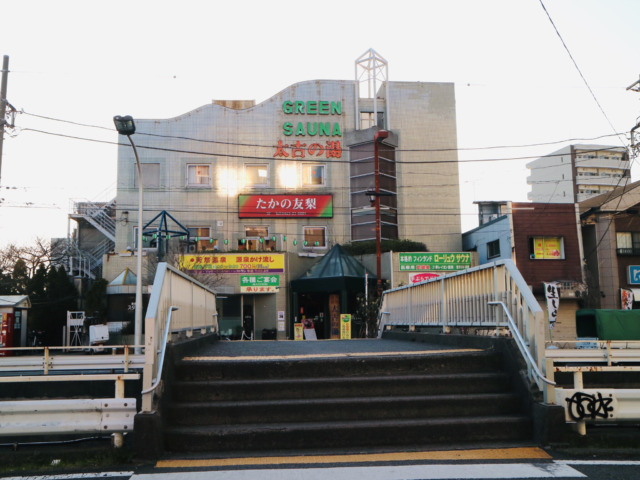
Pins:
<point x="312" y="175"/>
<point x="198" y="175"/>
<point x="150" y="175"/>
<point x="256" y="175"/>
<point x="493" y="249"/>
<point x="315" y="236"/>
<point x="256" y="239"/>
<point x="200" y="239"/>
<point x="546" y="248"/>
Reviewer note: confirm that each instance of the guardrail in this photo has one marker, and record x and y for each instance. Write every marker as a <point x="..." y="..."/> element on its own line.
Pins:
<point x="595" y="404"/>
<point x="173" y="290"/>
<point x="462" y="300"/>
<point x="45" y="360"/>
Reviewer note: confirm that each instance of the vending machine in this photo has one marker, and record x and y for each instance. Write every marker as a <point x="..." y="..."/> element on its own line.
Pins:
<point x="7" y="321"/>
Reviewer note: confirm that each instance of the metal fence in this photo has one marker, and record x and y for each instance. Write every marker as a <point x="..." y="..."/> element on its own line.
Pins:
<point x="462" y="301"/>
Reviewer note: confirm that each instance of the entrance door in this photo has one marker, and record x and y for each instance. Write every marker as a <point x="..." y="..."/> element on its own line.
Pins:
<point x="247" y="319"/>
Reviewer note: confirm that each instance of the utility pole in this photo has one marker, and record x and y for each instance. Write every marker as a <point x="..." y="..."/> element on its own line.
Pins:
<point x="3" y="105"/>
<point x="634" y="87"/>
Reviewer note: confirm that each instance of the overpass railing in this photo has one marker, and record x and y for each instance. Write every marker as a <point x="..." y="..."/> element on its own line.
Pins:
<point x="179" y="305"/>
<point x="466" y="301"/>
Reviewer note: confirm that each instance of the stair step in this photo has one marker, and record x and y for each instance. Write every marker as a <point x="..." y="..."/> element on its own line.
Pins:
<point x="283" y="436"/>
<point x="458" y="362"/>
<point x="336" y="387"/>
<point x="342" y="409"/>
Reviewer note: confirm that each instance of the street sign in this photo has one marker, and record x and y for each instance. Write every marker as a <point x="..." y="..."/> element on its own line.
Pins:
<point x="633" y="275"/>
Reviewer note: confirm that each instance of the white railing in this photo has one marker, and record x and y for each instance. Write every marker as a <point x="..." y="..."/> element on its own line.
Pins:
<point x="461" y="300"/>
<point x="595" y="403"/>
<point x="196" y="305"/>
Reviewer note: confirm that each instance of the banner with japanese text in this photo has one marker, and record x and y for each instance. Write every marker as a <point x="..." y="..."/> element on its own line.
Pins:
<point x="259" y="283"/>
<point x="255" y="262"/>
<point x="261" y="206"/>
<point x="418" y="261"/>
<point x="626" y="299"/>
<point x="552" y="294"/>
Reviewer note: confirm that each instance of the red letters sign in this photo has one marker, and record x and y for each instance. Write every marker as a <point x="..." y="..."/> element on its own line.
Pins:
<point x="261" y="206"/>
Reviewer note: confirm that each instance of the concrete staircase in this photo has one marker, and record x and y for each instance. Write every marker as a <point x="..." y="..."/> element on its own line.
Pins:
<point x="325" y="403"/>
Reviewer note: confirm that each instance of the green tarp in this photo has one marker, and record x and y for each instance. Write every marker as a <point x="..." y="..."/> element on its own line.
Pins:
<point x="608" y="324"/>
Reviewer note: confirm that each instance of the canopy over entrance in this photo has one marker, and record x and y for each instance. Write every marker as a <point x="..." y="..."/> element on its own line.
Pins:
<point x="337" y="270"/>
<point x="327" y="289"/>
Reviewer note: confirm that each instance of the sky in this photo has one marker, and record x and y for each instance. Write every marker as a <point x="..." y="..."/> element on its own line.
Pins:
<point x="75" y="64"/>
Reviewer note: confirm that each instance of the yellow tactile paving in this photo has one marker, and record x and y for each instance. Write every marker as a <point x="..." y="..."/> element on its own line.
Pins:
<point x="328" y="355"/>
<point x="520" y="453"/>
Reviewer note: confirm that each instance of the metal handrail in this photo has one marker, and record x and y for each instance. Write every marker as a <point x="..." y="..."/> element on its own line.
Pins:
<point x="156" y="381"/>
<point x="521" y="345"/>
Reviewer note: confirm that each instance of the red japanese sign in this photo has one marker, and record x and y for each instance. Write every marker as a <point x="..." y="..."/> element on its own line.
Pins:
<point x="260" y="206"/>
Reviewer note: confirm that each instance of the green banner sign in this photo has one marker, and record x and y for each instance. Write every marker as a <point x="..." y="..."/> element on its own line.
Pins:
<point x="442" y="262"/>
<point x="259" y="281"/>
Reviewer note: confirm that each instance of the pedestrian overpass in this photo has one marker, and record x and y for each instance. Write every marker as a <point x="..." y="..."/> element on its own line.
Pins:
<point x="491" y="302"/>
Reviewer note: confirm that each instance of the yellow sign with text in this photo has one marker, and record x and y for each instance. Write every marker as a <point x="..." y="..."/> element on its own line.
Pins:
<point x="345" y="326"/>
<point x="298" y="331"/>
<point x="254" y="262"/>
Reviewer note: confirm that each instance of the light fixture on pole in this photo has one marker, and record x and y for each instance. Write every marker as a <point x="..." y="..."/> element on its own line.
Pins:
<point x="377" y="138"/>
<point x="126" y="126"/>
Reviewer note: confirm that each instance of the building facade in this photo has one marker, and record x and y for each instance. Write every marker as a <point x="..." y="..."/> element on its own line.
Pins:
<point x="545" y="243"/>
<point x="611" y="233"/>
<point x="252" y="194"/>
<point x="578" y="172"/>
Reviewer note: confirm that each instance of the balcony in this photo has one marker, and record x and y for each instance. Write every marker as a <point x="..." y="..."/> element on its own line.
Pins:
<point x="628" y="252"/>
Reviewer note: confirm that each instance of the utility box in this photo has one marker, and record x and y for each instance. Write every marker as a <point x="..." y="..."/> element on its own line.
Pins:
<point x="98" y="334"/>
<point x="606" y="324"/>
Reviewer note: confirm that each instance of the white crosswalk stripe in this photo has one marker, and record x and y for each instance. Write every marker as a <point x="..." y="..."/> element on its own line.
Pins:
<point x="399" y="472"/>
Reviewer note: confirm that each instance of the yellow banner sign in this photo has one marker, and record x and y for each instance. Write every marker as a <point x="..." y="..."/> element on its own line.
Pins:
<point x="345" y="326"/>
<point x="254" y="262"/>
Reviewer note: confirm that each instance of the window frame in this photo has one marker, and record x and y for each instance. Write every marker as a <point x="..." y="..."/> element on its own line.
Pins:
<point x="306" y="172"/>
<point x="532" y="247"/>
<point x="256" y="185"/>
<point x="252" y="242"/>
<point x="317" y="227"/>
<point x="490" y="247"/>
<point x="198" y="185"/>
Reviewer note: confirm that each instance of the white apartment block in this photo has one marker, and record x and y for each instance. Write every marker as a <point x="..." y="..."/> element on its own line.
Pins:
<point x="577" y="172"/>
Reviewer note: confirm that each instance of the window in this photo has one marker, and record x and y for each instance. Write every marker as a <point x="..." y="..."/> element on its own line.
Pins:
<point x="150" y="175"/>
<point x="546" y="248"/>
<point x="257" y="239"/>
<point x="493" y="249"/>
<point x="313" y="175"/>
<point x="147" y="240"/>
<point x="256" y="175"/>
<point x="200" y="239"/>
<point x="628" y="243"/>
<point x="198" y="175"/>
<point x="315" y="236"/>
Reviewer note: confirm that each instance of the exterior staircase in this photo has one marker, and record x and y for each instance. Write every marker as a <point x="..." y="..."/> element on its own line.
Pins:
<point x="324" y="403"/>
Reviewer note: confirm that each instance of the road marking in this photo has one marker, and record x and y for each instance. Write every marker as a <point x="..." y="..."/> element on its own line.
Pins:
<point x="401" y="472"/>
<point x="71" y="476"/>
<point x="622" y="463"/>
<point x="478" y="454"/>
<point x="326" y="355"/>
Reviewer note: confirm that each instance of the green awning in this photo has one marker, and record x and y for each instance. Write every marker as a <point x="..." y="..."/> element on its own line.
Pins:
<point x="336" y="271"/>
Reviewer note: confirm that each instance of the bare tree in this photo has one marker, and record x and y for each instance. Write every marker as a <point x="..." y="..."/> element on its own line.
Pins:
<point x="172" y="257"/>
<point x="33" y="256"/>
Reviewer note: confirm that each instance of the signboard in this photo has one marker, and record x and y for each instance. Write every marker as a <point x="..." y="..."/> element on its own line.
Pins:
<point x="634" y="275"/>
<point x="421" y="277"/>
<point x="263" y="289"/>
<point x="254" y="262"/>
<point x="285" y="206"/>
<point x="345" y="326"/>
<point x="440" y="262"/>
<point x="547" y="248"/>
<point x="298" y="331"/>
<point x="280" y="320"/>
<point x="259" y="280"/>
<point x="552" y="293"/>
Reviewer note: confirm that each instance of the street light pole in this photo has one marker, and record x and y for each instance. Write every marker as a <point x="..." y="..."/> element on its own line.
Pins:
<point x="378" y="137"/>
<point x="126" y="126"/>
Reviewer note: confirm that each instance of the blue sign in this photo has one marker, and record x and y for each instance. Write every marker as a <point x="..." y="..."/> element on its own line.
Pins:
<point x="634" y="275"/>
